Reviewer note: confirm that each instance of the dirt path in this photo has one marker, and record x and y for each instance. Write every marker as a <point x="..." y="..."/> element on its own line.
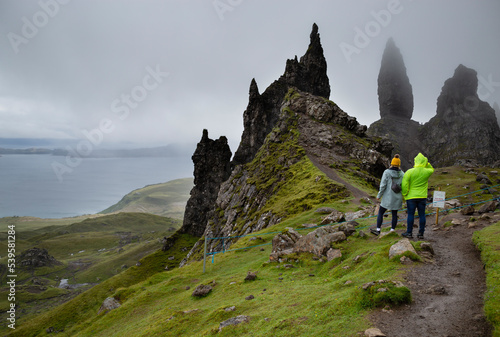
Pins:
<point x="447" y="290"/>
<point x="330" y="173"/>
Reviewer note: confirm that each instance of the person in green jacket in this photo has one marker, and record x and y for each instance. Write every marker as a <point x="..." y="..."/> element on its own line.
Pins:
<point x="414" y="189"/>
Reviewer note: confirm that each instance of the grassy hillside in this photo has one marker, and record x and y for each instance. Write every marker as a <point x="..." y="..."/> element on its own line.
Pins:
<point x="302" y="296"/>
<point x="89" y="252"/>
<point x="312" y="298"/>
<point x="166" y="199"/>
<point x="488" y="241"/>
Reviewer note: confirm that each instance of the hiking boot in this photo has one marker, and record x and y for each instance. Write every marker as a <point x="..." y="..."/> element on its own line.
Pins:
<point x="374" y="231"/>
<point x="407" y="235"/>
<point x="420" y="236"/>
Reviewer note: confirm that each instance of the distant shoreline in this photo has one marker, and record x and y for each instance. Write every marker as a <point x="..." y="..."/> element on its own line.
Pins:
<point x="164" y="151"/>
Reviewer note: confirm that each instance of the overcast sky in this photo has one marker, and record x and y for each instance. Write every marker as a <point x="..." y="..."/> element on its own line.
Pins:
<point x="154" y="72"/>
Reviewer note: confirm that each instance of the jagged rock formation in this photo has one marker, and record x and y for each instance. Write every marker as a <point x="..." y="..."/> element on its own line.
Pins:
<point x="309" y="126"/>
<point x="259" y="118"/>
<point x="211" y="167"/>
<point x="464" y="126"/>
<point x="395" y="94"/>
<point x="395" y="98"/>
<point x="289" y="128"/>
<point x="261" y="114"/>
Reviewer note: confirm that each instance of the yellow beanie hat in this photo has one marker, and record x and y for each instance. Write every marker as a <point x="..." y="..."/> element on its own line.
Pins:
<point x="396" y="161"/>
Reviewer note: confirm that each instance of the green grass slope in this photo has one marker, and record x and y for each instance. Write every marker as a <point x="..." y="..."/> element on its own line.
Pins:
<point x="488" y="241"/>
<point x="166" y="199"/>
<point x="312" y="298"/>
<point x="89" y="252"/>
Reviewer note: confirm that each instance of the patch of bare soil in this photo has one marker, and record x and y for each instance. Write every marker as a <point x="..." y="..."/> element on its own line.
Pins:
<point x="447" y="290"/>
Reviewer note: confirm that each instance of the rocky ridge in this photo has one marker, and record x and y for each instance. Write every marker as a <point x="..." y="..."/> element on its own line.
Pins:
<point x="309" y="127"/>
<point x="286" y="127"/>
<point x="262" y="112"/>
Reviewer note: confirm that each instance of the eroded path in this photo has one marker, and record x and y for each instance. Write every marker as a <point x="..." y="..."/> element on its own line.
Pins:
<point x="330" y="173"/>
<point x="447" y="290"/>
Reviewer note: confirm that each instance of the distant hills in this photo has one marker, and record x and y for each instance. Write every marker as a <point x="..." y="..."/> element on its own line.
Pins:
<point x="166" y="199"/>
<point x="60" y="148"/>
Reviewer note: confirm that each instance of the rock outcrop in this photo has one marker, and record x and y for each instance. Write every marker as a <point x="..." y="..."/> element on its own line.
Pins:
<point x="464" y="126"/>
<point x="395" y="98"/>
<point x="109" y="304"/>
<point x="36" y="258"/>
<point x="288" y="128"/>
<point x="262" y="112"/>
<point x="309" y="126"/>
<point x="211" y="167"/>
<point x="395" y="94"/>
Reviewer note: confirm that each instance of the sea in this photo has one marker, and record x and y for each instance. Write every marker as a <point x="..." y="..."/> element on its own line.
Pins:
<point x="45" y="186"/>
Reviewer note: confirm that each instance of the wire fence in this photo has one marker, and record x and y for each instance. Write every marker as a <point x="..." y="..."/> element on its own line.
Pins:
<point x="225" y="239"/>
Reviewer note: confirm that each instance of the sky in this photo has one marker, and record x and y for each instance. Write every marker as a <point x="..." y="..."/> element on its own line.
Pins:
<point x="155" y="72"/>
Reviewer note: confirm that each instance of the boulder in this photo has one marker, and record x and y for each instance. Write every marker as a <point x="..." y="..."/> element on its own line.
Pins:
<point x="109" y="304"/>
<point x="334" y="217"/>
<point x="400" y="248"/>
<point x="483" y="179"/>
<point x="319" y="241"/>
<point x="349" y="216"/>
<point x="250" y="276"/>
<point x="283" y="243"/>
<point x="490" y="206"/>
<point x="374" y="332"/>
<point x="332" y="254"/>
<point x="324" y="210"/>
<point x="234" y="321"/>
<point x="201" y="290"/>
<point x="348" y="228"/>
<point x="453" y="203"/>
<point x="467" y="210"/>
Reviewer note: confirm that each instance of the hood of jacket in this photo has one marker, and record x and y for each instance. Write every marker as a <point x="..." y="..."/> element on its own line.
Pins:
<point x="420" y="160"/>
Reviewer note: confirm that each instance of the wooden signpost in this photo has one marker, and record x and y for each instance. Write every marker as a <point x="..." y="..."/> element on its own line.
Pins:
<point x="438" y="202"/>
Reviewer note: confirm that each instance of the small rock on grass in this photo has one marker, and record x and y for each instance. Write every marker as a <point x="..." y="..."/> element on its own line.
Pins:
<point x="201" y="290"/>
<point x="234" y="321"/>
<point x="374" y="332"/>
<point x="250" y="276"/>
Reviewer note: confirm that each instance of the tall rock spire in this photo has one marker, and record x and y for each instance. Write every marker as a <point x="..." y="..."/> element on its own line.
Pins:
<point x="308" y="74"/>
<point x="211" y="167"/>
<point x="395" y="95"/>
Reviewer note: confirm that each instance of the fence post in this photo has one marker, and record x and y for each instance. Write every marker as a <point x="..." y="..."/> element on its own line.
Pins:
<point x="205" y="255"/>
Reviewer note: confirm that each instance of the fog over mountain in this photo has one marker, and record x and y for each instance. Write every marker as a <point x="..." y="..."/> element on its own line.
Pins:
<point x="155" y="72"/>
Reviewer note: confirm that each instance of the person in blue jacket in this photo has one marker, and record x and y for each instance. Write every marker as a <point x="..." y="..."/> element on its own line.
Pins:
<point x="391" y="200"/>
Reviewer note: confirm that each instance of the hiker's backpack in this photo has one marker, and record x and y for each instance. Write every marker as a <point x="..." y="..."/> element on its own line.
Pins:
<point x="395" y="187"/>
